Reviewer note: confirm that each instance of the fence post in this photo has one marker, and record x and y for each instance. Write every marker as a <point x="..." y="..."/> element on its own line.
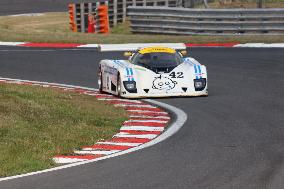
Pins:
<point x="259" y="4"/>
<point x="155" y="3"/>
<point x="179" y="3"/>
<point x="97" y="22"/>
<point x="124" y="6"/>
<point x="167" y="3"/>
<point x="114" y="12"/>
<point x="89" y="8"/>
<point x="82" y="12"/>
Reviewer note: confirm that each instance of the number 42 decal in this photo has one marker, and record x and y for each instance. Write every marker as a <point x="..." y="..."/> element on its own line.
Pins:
<point x="176" y="75"/>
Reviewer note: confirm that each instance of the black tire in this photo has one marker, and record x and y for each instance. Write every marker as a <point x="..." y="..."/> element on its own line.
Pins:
<point x="100" y="81"/>
<point x="118" y="86"/>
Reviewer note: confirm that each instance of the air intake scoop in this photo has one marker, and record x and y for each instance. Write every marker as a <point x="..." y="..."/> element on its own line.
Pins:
<point x="146" y="90"/>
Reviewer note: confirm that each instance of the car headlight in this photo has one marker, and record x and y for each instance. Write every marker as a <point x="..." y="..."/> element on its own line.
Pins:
<point x="130" y="86"/>
<point x="199" y="84"/>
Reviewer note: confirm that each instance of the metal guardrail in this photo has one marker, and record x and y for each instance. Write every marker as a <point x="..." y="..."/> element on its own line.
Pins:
<point x="185" y="21"/>
<point x="117" y="8"/>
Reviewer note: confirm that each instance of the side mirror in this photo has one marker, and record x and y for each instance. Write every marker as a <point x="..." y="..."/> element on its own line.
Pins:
<point x="183" y="53"/>
<point x="127" y="54"/>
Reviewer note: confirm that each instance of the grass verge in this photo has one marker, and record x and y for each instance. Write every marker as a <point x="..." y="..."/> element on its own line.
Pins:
<point x="54" y="27"/>
<point x="37" y="123"/>
<point x="235" y="4"/>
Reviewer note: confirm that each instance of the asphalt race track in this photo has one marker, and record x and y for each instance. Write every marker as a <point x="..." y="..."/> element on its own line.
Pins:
<point x="9" y="7"/>
<point x="233" y="139"/>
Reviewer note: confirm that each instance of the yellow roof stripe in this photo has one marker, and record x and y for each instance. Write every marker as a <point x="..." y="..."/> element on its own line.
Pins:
<point x="156" y="50"/>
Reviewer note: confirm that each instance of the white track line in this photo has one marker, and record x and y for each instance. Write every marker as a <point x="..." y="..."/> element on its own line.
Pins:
<point x="123" y="134"/>
<point x="121" y="100"/>
<point x="11" y="43"/>
<point x="95" y="152"/>
<point x="150" y="117"/>
<point x="181" y="118"/>
<point x="89" y="46"/>
<point x="261" y="45"/>
<point x="148" y="111"/>
<point x="135" y="105"/>
<point x="120" y="143"/>
<point x="61" y="160"/>
<point x="142" y="128"/>
<point x="145" y="121"/>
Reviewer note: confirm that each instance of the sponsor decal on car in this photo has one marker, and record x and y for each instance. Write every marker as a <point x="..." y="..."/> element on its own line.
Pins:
<point x="163" y="83"/>
<point x="156" y="50"/>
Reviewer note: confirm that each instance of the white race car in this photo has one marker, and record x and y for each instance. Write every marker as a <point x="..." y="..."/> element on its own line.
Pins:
<point x="155" y="71"/>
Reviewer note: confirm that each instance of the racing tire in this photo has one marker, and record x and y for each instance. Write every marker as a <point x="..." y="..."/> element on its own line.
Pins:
<point x="100" y="81"/>
<point x="118" y="86"/>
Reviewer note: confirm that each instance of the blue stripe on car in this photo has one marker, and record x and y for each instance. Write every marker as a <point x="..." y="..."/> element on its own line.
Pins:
<point x="131" y="73"/>
<point x="199" y="69"/>
<point x="195" y="70"/>
<point x="127" y="74"/>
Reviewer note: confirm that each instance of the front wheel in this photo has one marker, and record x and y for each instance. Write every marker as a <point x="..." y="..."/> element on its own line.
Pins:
<point x="100" y="80"/>
<point x="118" y="86"/>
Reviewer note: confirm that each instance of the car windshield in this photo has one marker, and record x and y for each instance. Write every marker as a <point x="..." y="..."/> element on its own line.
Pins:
<point x="157" y="60"/>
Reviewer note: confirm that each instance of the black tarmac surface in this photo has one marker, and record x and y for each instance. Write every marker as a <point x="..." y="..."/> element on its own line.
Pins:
<point x="10" y="7"/>
<point x="233" y="139"/>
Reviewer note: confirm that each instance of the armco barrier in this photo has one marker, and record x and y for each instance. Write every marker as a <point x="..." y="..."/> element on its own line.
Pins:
<point x="166" y="20"/>
<point x="78" y="12"/>
<point x="118" y="8"/>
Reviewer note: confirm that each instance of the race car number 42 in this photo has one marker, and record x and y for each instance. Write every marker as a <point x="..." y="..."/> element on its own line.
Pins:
<point x="176" y="75"/>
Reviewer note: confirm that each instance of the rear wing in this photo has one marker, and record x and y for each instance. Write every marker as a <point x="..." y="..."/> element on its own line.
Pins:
<point x="136" y="46"/>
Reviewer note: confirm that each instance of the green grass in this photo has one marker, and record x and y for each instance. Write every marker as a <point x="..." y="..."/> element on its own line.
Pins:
<point x="228" y="4"/>
<point x="37" y="123"/>
<point x="54" y="27"/>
